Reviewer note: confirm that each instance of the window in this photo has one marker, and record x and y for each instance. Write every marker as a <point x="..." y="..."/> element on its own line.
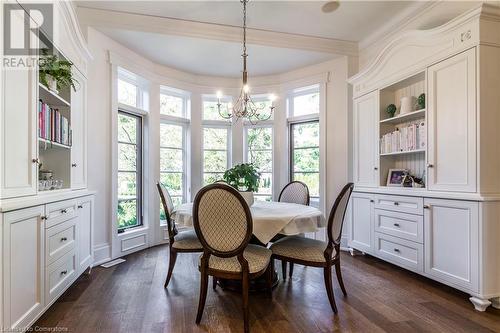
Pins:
<point x="304" y="101"/>
<point x="132" y="90"/>
<point x="129" y="171"/>
<point x="127" y="93"/>
<point x="304" y="155"/>
<point x="215" y="153"/>
<point x="210" y="110"/>
<point x="174" y="102"/>
<point x="259" y="151"/>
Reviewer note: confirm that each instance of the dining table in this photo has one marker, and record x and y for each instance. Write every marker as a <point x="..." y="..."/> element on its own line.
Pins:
<point x="269" y="219"/>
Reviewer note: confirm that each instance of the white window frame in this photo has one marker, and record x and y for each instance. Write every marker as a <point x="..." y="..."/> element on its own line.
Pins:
<point x="142" y="91"/>
<point x="211" y="124"/>
<point x="311" y="89"/>
<point x="186" y="103"/>
<point x="246" y="150"/>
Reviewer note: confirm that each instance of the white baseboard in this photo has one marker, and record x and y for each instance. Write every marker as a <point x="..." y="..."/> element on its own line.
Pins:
<point x="102" y="254"/>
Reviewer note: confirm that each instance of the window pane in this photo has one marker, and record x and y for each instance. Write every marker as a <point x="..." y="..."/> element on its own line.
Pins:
<point x="173" y="183"/>
<point x="127" y="128"/>
<point x="263" y="198"/>
<point x="171" y="105"/>
<point x="171" y="135"/>
<point x="262" y="160"/>
<point x="306" y="135"/>
<point x="211" y="112"/>
<point x="127" y="157"/>
<point x="260" y="138"/>
<point x="127" y="93"/>
<point x="265" y="184"/>
<point x="311" y="179"/>
<point x="210" y="178"/>
<point x="306" y="104"/>
<point x="264" y="110"/>
<point x="215" y="138"/>
<point x="215" y="161"/>
<point x="127" y="214"/>
<point x="127" y="185"/>
<point x="306" y="159"/>
<point x="171" y="160"/>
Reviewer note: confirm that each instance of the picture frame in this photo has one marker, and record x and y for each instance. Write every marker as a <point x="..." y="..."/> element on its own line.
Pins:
<point x="395" y="177"/>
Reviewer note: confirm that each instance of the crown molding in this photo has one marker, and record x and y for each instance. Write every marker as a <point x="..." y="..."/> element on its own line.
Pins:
<point x="71" y="22"/>
<point x="171" y="26"/>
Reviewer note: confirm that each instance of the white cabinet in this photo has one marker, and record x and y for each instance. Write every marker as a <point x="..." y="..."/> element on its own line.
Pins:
<point x="361" y="233"/>
<point x="78" y="126"/>
<point x="23" y="266"/>
<point x="452" y="124"/>
<point x="366" y="114"/>
<point x="451" y="229"/>
<point x="84" y="233"/>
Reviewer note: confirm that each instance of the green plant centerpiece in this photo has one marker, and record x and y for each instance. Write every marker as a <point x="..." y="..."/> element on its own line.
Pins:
<point x="391" y="110"/>
<point x="245" y="178"/>
<point x="55" y="73"/>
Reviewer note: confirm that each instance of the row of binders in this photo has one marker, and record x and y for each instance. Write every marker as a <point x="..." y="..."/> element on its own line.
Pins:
<point x="52" y="125"/>
<point x="406" y="138"/>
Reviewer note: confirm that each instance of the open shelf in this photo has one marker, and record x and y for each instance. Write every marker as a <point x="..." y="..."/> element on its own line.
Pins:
<point x="51" y="98"/>
<point x="49" y="144"/>
<point x="405" y="117"/>
<point x="404" y="152"/>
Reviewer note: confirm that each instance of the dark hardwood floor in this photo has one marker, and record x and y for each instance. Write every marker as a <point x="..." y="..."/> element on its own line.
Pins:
<point x="381" y="298"/>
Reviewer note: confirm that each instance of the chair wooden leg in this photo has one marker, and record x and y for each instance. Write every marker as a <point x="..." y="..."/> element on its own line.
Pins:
<point x="203" y="295"/>
<point x="214" y="282"/>
<point x="329" y="288"/>
<point x="339" y="277"/>
<point x="270" y="277"/>
<point x="283" y="268"/>
<point x="245" y="287"/>
<point x="291" y="270"/>
<point x="171" y="264"/>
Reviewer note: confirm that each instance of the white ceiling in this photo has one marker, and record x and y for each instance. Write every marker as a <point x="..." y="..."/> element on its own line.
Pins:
<point x="353" y="20"/>
<point x="212" y="57"/>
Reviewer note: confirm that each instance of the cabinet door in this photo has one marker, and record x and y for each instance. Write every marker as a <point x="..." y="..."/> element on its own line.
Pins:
<point x="84" y="233"/>
<point x="18" y="142"/>
<point x="79" y="138"/>
<point x="23" y="275"/>
<point x="366" y="114"/>
<point x="362" y="228"/>
<point x="451" y="229"/>
<point x="452" y="124"/>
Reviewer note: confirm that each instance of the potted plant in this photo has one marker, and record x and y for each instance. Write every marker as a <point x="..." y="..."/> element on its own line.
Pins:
<point x="56" y="73"/>
<point x="245" y="178"/>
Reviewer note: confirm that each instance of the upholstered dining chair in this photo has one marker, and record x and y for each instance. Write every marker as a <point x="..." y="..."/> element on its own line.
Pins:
<point x="295" y="192"/>
<point x="223" y="223"/>
<point x="315" y="253"/>
<point x="185" y="241"/>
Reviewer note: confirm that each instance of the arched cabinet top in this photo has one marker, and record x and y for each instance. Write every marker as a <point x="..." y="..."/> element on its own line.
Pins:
<point x="413" y="51"/>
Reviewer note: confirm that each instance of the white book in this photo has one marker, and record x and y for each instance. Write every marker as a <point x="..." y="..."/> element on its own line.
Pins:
<point x="422" y="137"/>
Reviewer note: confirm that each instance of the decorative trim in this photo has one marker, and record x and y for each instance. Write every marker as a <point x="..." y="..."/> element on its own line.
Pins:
<point x="172" y="26"/>
<point x="73" y="25"/>
<point x="479" y="304"/>
<point x="102" y="254"/>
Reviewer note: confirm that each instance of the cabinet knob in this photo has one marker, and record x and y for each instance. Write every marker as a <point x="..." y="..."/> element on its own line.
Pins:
<point x="64" y="211"/>
<point x="427" y="207"/>
<point x="397" y="250"/>
<point x="80" y="206"/>
<point x="375" y="168"/>
<point x="396" y="225"/>
<point x="35" y="160"/>
<point x="73" y="165"/>
<point x="430" y="165"/>
<point x="64" y="272"/>
<point x="43" y="217"/>
<point x="371" y="200"/>
<point x="63" y="239"/>
<point x="396" y="203"/>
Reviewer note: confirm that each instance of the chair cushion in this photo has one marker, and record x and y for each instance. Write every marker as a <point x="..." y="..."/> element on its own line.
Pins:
<point x="187" y="240"/>
<point x="258" y="258"/>
<point x="300" y="248"/>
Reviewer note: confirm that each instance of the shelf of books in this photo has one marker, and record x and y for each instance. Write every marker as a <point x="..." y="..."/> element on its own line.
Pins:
<point x="54" y="138"/>
<point x="402" y="128"/>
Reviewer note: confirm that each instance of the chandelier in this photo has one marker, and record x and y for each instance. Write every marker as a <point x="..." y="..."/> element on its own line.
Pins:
<point x="244" y="106"/>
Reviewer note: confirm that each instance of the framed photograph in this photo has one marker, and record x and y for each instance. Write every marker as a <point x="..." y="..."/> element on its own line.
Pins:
<point x="395" y="177"/>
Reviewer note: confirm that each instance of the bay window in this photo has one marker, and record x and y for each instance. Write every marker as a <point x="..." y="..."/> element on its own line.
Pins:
<point x="259" y="151"/>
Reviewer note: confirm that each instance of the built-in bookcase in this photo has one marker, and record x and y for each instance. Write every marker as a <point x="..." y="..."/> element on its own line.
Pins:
<point x="414" y="158"/>
<point x="55" y="154"/>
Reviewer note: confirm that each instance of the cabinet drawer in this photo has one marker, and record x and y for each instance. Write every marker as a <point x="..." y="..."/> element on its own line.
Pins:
<point x="59" y="212"/>
<point x="59" y="275"/>
<point x="59" y="240"/>
<point x="399" y="251"/>
<point x="407" y="226"/>
<point x="412" y="205"/>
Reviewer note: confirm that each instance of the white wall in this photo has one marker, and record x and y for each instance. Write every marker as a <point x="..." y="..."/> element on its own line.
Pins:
<point x="338" y="123"/>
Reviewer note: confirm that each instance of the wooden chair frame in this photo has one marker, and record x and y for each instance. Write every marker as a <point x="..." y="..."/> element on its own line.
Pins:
<point x="172" y="232"/>
<point x="333" y="244"/>
<point x="293" y="182"/>
<point x="245" y="276"/>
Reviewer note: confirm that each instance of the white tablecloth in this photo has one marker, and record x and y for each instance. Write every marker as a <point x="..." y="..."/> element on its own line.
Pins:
<point x="269" y="219"/>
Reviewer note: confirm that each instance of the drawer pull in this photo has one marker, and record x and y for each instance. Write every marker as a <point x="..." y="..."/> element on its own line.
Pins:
<point x="396" y="225"/>
<point x="375" y="168"/>
<point x="427" y="207"/>
<point x="372" y="200"/>
<point x="43" y="217"/>
<point x="430" y="165"/>
<point x="64" y="239"/>
<point x="80" y="206"/>
<point x="64" y="211"/>
<point x="64" y="272"/>
<point x="397" y="250"/>
<point x="73" y="165"/>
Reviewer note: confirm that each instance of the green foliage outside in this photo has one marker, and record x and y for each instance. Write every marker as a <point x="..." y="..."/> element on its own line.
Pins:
<point x="127" y="214"/>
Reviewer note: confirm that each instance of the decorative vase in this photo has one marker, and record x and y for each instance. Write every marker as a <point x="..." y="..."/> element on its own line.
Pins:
<point x="407" y="104"/>
<point x="248" y="196"/>
<point x="52" y="83"/>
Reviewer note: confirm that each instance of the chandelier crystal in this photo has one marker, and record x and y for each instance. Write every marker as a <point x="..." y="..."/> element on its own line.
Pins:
<point x="245" y="107"/>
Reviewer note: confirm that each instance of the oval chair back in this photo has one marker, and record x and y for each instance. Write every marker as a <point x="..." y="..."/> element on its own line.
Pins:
<point x="337" y="214"/>
<point x="168" y="206"/>
<point x="222" y="220"/>
<point x="295" y="192"/>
